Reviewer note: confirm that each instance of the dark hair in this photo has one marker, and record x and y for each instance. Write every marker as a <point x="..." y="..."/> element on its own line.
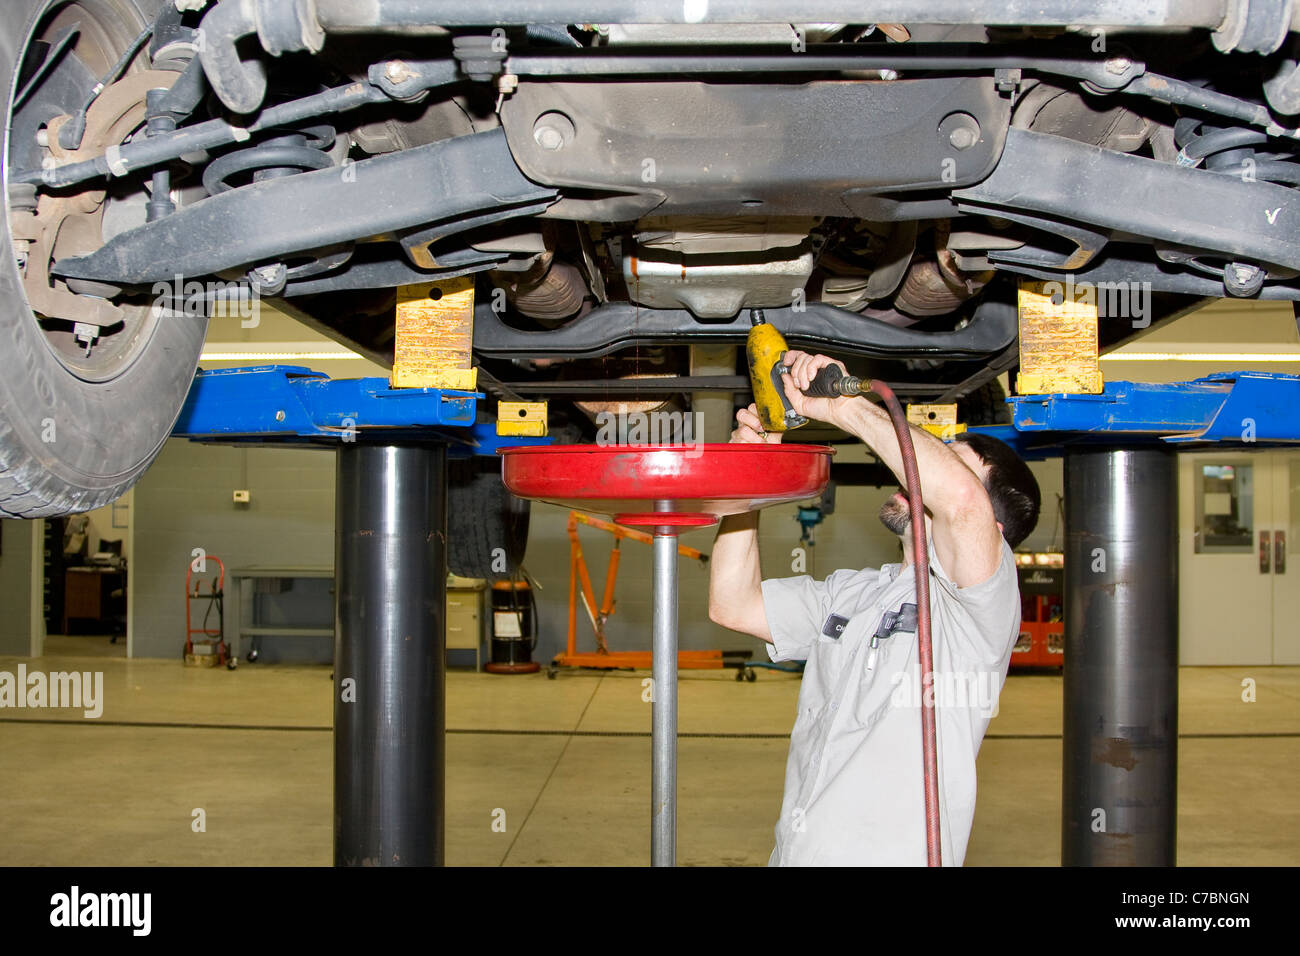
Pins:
<point x="1011" y="486"/>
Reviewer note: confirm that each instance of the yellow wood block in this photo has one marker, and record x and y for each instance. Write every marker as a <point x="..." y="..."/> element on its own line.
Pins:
<point x="1058" y="339"/>
<point x="522" y="418"/>
<point x="940" y="420"/>
<point x="434" y="335"/>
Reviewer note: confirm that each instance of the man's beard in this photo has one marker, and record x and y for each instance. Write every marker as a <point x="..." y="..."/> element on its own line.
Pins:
<point x="895" y="515"/>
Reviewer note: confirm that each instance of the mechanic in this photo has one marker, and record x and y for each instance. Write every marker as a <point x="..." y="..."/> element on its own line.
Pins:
<point x="853" y="785"/>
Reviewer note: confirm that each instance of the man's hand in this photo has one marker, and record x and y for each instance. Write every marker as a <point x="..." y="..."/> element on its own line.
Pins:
<point x="749" y="428"/>
<point x="803" y="369"/>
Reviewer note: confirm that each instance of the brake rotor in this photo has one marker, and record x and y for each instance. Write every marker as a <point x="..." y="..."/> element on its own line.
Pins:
<point x="63" y="225"/>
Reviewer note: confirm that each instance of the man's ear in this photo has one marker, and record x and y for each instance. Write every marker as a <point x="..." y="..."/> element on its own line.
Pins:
<point x="1000" y="528"/>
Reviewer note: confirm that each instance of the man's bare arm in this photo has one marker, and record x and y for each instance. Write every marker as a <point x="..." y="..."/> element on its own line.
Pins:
<point x="966" y="537"/>
<point x="735" y="578"/>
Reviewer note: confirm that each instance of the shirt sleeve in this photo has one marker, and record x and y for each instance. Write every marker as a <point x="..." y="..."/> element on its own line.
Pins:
<point x="993" y="606"/>
<point x="796" y="608"/>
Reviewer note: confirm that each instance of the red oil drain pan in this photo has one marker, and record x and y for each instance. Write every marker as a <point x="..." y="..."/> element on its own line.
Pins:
<point x="667" y="485"/>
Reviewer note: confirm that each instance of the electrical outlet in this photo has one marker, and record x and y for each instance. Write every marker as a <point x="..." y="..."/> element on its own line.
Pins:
<point x="242" y="496"/>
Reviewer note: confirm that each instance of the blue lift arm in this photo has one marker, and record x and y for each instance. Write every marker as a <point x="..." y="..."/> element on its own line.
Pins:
<point x="292" y="404"/>
<point x="286" y="403"/>
<point x="1256" y="408"/>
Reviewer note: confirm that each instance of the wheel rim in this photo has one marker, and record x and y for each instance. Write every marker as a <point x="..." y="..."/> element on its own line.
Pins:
<point x="104" y="29"/>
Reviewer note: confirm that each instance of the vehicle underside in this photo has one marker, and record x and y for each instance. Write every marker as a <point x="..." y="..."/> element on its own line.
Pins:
<point x="621" y="191"/>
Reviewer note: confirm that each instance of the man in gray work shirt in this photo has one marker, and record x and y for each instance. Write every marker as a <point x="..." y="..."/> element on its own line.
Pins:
<point x="853" y="785"/>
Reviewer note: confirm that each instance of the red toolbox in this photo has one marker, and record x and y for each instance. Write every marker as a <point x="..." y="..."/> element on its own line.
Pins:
<point x="1042" y="611"/>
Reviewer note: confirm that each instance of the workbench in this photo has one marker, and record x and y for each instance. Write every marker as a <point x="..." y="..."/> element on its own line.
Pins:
<point x="465" y="613"/>
<point x="241" y="599"/>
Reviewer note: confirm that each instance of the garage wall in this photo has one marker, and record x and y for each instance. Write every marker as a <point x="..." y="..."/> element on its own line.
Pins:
<point x="20" y="554"/>
<point x="184" y="502"/>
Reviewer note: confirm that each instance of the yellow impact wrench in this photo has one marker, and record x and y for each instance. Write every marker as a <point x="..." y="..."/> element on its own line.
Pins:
<point x="765" y="351"/>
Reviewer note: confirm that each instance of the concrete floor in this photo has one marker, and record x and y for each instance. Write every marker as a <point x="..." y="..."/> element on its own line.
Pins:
<point x="568" y="761"/>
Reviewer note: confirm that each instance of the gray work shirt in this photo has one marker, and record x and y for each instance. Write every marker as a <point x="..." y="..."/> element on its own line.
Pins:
<point x="853" y="781"/>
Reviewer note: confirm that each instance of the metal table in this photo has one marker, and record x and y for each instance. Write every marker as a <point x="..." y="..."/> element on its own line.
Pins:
<point x="240" y="594"/>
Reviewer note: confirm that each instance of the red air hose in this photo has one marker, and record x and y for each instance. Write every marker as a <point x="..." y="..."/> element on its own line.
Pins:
<point x="828" y="383"/>
<point x="921" y="569"/>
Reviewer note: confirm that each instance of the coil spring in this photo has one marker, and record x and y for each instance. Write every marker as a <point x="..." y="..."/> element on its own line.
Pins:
<point x="289" y="152"/>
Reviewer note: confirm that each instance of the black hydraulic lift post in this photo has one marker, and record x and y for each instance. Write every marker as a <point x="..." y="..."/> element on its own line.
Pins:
<point x="1120" y="747"/>
<point x="390" y="721"/>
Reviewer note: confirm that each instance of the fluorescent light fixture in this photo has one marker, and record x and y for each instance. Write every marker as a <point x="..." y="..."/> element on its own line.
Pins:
<point x="277" y="352"/>
<point x="1237" y="358"/>
<point x="278" y="356"/>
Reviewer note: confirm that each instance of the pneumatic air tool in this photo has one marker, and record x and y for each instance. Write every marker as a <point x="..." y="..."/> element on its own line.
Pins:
<point x="765" y="350"/>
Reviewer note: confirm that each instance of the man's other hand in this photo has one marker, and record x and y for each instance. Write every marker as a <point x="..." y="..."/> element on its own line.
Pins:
<point x="749" y="428"/>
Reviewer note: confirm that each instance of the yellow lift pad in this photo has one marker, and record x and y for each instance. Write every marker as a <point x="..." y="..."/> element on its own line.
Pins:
<point x="522" y="418"/>
<point x="940" y="420"/>
<point x="1058" y="339"/>
<point x="434" y="335"/>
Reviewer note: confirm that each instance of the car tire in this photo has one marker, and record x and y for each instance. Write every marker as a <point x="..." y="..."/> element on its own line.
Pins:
<point x="72" y="441"/>
<point x="987" y="405"/>
<point x="487" y="526"/>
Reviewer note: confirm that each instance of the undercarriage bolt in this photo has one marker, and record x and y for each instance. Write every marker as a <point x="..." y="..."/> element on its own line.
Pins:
<point x="553" y="130"/>
<point x="1242" y="279"/>
<point x="268" y="280"/>
<point x="548" y="137"/>
<point x="963" y="138"/>
<point x="961" y="130"/>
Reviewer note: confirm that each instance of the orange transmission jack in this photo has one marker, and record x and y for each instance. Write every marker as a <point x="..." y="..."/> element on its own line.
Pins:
<point x="580" y="586"/>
